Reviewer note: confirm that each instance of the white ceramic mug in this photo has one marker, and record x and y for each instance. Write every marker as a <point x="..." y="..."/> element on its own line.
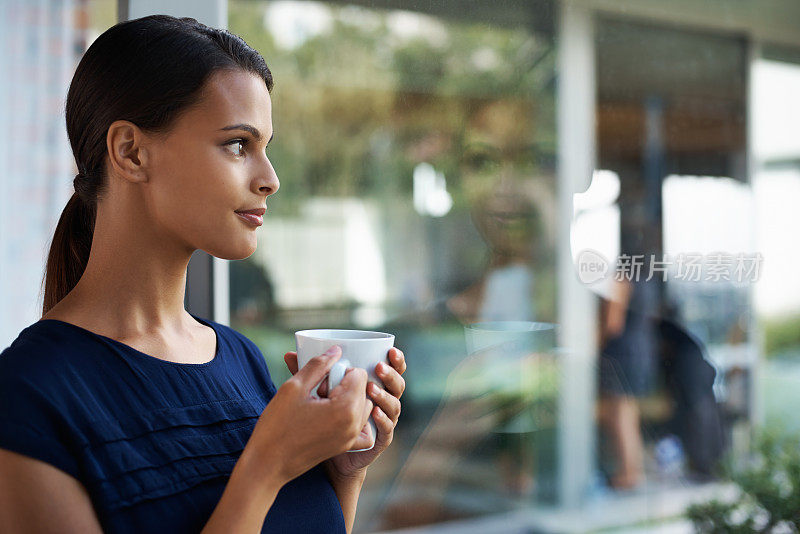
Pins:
<point x="360" y="348"/>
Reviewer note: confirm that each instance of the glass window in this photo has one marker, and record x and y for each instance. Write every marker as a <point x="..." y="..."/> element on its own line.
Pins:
<point x="423" y="176"/>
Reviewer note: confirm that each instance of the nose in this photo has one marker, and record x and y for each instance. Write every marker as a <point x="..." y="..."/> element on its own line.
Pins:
<point x="267" y="182"/>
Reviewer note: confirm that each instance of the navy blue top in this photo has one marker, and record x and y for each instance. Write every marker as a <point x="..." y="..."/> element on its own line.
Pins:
<point x="153" y="442"/>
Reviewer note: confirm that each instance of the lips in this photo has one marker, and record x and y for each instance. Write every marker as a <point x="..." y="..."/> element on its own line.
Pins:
<point x="254" y="211"/>
<point x="252" y="216"/>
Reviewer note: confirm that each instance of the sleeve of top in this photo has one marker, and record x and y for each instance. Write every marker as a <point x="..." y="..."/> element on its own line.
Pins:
<point x="31" y="425"/>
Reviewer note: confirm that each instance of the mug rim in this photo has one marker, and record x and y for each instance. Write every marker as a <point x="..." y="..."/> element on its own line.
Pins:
<point x="314" y="334"/>
<point x="486" y="326"/>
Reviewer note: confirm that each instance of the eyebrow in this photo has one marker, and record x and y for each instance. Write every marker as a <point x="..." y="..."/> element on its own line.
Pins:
<point x="249" y="128"/>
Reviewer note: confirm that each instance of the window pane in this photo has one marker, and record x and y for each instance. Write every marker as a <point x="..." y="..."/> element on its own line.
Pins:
<point x="426" y="156"/>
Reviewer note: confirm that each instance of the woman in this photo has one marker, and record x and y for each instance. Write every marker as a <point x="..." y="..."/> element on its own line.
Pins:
<point x="119" y="410"/>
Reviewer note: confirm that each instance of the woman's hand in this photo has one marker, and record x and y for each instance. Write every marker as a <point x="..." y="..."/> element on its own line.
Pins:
<point x="385" y="413"/>
<point x="296" y="431"/>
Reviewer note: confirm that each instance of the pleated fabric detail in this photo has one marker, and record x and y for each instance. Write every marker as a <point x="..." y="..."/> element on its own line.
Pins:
<point x="155" y="455"/>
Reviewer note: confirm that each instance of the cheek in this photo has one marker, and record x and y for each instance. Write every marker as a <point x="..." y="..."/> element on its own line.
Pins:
<point x="200" y="172"/>
<point x="190" y="192"/>
<point x="194" y="196"/>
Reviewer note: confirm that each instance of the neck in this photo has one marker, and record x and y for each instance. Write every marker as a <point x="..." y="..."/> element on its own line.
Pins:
<point x="135" y="280"/>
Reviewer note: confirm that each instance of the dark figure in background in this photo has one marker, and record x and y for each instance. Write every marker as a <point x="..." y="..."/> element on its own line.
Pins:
<point x="690" y="379"/>
<point x="635" y="347"/>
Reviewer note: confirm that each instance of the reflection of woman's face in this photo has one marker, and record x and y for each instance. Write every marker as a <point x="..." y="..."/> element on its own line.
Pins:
<point x="506" y="221"/>
<point x="495" y="162"/>
<point x="213" y="163"/>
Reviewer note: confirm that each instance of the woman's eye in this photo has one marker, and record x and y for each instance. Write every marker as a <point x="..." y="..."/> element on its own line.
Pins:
<point x="238" y="142"/>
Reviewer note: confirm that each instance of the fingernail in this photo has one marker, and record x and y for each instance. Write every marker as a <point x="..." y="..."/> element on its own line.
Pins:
<point x="331" y="351"/>
<point x="381" y="367"/>
<point x="373" y="388"/>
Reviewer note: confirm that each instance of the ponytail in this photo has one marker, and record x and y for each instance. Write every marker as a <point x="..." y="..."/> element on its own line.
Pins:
<point x="69" y="250"/>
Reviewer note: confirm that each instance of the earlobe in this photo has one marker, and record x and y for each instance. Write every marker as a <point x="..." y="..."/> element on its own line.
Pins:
<point x="126" y="151"/>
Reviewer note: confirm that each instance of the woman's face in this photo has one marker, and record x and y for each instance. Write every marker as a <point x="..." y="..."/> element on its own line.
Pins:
<point x="212" y="163"/>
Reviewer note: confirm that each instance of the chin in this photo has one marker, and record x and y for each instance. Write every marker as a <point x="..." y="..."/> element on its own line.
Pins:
<point x="233" y="251"/>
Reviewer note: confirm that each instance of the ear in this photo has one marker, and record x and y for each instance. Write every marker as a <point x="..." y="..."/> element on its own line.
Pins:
<point x="127" y="151"/>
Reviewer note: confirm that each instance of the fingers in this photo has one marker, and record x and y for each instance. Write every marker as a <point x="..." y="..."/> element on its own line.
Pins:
<point x="388" y="404"/>
<point x="392" y="381"/>
<point x="384" y="425"/>
<point x="291" y="361"/>
<point x="368" y="405"/>
<point x="317" y="368"/>
<point x="397" y="359"/>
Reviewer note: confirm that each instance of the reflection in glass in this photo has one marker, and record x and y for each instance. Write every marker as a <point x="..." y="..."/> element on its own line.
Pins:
<point x="417" y="160"/>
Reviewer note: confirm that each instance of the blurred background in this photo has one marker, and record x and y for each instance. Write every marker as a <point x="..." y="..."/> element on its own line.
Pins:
<point x="576" y="216"/>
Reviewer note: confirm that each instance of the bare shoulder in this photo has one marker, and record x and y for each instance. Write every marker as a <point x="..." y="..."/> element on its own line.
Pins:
<point x="38" y="497"/>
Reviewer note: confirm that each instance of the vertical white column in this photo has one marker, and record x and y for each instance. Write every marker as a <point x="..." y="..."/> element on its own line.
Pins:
<point x="212" y="13"/>
<point x="220" y="281"/>
<point x="577" y="306"/>
<point x="755" y="341"/>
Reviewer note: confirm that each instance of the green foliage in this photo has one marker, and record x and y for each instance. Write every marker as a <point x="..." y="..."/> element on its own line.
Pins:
<point x="781" y="334"/>
<point x="769" y="497"/>
<point x="716" y="517"/>
<point x="352" y="102"/>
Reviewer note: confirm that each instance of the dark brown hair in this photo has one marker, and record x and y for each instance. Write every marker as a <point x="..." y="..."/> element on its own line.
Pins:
<point x="145" y="71"/>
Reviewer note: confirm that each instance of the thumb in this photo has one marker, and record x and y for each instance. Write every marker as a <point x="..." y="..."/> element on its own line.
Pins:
<point x="317" y="367"/>
<point x="352" y="386"/>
